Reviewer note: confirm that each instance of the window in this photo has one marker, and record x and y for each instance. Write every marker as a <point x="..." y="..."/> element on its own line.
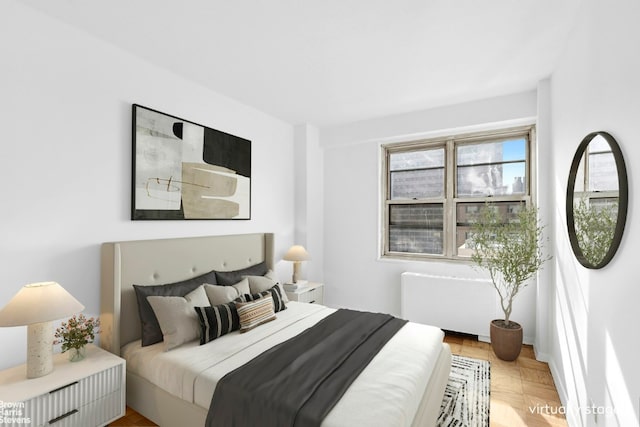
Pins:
<point x="601" y="168"/>
<point x="597" y="179"/>
<point x="433" y="188"/>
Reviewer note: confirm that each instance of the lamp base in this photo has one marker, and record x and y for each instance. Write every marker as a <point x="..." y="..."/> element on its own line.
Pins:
<point x="296" y="272"/>
<point x="39" y="349"/>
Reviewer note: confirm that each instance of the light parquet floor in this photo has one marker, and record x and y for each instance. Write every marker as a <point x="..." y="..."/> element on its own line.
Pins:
<point x="133" y="419"/>
<point x="522" y="391"/>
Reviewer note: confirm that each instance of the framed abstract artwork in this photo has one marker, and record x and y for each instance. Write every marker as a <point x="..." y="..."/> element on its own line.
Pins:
<point x="183" y="170"/>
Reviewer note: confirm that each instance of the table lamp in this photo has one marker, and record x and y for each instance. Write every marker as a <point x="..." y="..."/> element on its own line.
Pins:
<point x="297" y="254"/>
<point x="37" y="305"/>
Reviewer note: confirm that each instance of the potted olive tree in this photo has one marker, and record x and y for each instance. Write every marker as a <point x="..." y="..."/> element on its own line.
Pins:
<point x="512" y="253"/>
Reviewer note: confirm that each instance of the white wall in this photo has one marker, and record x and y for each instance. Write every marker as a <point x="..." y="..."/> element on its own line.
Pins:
<point x="65" y="166"/>
<point x="354" y="275"/>
<point x="595" y="343"/>
<point x="307" y="172"/>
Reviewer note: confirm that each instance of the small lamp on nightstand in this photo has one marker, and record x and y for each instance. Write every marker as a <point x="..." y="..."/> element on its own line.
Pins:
<point x="297" y="254"/>
<point x="37" y="305"/>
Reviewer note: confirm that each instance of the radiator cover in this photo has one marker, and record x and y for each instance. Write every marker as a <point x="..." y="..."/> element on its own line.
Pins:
<point x="450" y="303"/>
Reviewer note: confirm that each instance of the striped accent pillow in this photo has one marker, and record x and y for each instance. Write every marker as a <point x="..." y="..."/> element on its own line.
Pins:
<point x="217" y="321"/>
<point x="276" y="295"/>
<point x="255" y="313"/>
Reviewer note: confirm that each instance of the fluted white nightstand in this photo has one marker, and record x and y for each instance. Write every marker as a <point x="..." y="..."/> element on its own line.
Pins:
<point x="90" y="392"/>
<point x="311" y="292"/>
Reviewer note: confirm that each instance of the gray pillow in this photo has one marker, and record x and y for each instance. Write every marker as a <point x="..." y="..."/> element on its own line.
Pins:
<point x="178" y="320"/>
<point x="223" y="294"/>
<point x="228" y="278"/>
<point x="276" y="296"/>
<point x="259" y="284"/>
<point x="151" y="332"/>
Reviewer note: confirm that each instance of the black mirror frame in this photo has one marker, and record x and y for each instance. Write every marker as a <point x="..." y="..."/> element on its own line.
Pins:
<point x="623" y="199"/>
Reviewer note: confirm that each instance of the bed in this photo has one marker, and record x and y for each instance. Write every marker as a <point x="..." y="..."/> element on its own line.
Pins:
<point x="403" y="384"/>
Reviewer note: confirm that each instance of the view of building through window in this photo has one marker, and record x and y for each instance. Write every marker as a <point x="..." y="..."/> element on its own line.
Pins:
<point x="490" y="169"/>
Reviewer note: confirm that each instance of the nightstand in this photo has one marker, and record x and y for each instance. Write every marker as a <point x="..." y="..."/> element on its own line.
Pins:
<point x="90" y="392"/>
<point x="311" y="292"/>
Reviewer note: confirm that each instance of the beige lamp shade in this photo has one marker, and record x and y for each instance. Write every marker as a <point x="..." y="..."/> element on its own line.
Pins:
<point x="39" y="302"/>
<point x="36" y="306"/>
<point x="297" y="254"/>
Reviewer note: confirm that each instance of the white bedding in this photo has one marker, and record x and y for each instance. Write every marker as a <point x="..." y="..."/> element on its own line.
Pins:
<point x="387" y="392"/>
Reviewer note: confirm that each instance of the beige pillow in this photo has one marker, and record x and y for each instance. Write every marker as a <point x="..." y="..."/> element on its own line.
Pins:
<point x="177" y="317"/>
<point x="223" y="294"/>
<point x="259" y="284"/>
<point x="255" y="313"/>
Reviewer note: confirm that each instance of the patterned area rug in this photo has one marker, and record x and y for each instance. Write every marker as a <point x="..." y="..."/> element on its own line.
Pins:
<point x="466" y="398"/>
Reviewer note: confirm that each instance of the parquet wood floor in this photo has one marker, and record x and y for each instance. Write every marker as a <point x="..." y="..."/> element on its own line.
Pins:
<point x="132" y="419"/>
<point x="522" y="391"/>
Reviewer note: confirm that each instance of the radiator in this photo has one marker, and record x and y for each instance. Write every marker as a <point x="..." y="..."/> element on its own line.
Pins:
<point x="450" y="303"/>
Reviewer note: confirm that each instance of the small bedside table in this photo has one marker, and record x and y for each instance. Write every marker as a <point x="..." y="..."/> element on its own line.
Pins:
<point x="312" y="292"/>
<point x="90" y="392"/>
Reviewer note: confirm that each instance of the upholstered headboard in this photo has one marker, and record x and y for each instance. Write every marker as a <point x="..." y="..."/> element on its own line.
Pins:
<point x="161" y="261"/>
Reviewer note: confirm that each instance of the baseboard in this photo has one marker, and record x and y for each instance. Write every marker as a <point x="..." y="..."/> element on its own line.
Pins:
<point x="570" y="414"/>
<point x="541" y="357"/>
<point x="461" y="334"/>
<point x="525" y="340"/>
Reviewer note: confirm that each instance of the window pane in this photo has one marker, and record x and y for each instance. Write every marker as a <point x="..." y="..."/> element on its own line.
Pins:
<point x="465" y="217"/>
<point x="493" y="168"/>
<point x="416" y="184"/>
<point x="491" y="152"/>
<point x="432" y="158"/>
<point x="604" y="205"/>
<point x="417" y="174"/>
<point x="416" y="228"/>
<point x="603" y="174"/>
<point x="598" y="143"/>
<point x="496" y="179"/>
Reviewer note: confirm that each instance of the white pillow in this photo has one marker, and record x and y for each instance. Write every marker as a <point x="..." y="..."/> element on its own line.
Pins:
<point x="177" y="318"/>
<point x="218" y="294"/>
<point x="259" y="284"/>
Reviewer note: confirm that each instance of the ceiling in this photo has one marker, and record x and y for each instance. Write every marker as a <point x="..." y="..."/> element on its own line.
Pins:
<point x="327" y="62"/>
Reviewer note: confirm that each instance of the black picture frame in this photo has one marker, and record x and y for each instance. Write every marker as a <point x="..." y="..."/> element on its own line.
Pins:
<point x="182" y="170"/>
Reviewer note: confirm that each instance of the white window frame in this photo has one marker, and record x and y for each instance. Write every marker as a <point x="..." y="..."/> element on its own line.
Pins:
<point x="449" y="201"/>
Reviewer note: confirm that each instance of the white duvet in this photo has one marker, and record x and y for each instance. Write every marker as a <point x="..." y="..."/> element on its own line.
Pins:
<point x="386" y="393"/>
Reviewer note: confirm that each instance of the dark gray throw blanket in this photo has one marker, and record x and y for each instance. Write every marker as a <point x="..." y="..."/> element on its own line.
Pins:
<point x="297" y="382"/>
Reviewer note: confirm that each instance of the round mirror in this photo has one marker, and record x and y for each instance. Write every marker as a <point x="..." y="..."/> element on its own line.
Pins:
<point x="597" y="198"/>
